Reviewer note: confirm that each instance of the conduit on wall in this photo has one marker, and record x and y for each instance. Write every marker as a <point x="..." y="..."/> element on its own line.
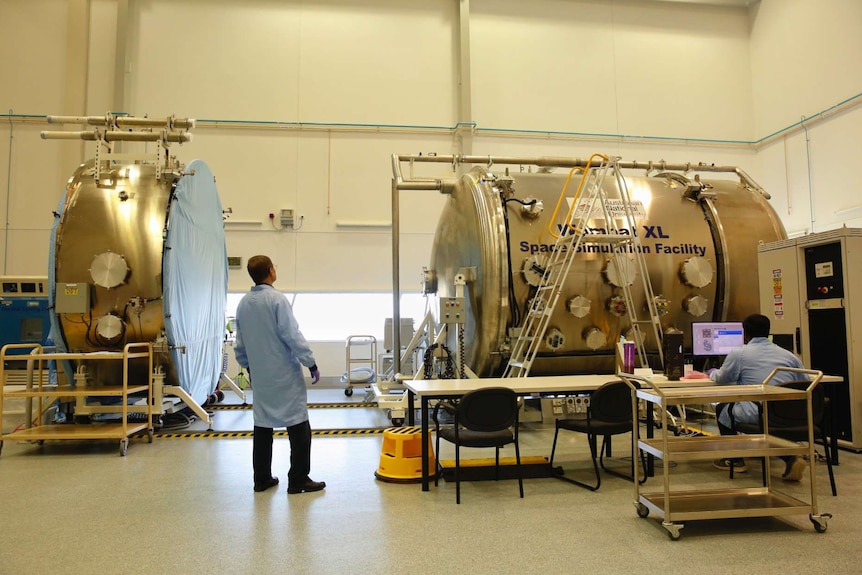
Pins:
<point x="8" y="193"/>
<point x="842" y="106"/>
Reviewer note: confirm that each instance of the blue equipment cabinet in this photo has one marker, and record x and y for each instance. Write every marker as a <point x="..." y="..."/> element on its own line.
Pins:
<point x="24" y="313"/>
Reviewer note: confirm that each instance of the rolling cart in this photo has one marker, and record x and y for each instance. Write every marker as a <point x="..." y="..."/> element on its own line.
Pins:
<point x="361" y="362"/>
<point x="675" y="505"/>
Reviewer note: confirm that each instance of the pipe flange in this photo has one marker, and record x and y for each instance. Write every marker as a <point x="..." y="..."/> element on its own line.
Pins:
<point x="555" y="339"/>
<point x="696" y="305"/>
<point x="621" y="271"/>
<point x="617" y="306"/>
<point x="696" y="271"/>
<point x="109" y="270"/>
<point x="579" y="306"/>
<point x="534" y="269"/>
<point x="595" y="338"/>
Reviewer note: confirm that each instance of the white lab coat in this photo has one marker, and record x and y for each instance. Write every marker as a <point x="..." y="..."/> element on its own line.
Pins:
<point x="270" y="345"/>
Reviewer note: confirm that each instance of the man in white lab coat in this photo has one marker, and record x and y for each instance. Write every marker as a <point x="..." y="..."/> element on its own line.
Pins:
<point x="270" y="345"/>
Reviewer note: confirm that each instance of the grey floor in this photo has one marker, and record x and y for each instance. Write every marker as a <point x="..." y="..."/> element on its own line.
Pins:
<point x="182" y="506"/>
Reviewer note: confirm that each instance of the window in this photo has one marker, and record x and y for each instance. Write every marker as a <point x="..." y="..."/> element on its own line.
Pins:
<point x="335" y="316"/>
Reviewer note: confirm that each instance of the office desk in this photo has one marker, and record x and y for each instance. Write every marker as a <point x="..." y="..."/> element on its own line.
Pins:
<point x="428" y="389"/>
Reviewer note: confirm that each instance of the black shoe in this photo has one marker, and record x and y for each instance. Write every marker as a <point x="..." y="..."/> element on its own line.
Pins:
<point x="266" y="484"/>
<point x="724" y="464"/>
<point x="307" y="486"/>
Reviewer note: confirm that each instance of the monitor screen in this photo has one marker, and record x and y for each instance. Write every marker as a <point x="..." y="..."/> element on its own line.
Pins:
<point x="716" y="338"/>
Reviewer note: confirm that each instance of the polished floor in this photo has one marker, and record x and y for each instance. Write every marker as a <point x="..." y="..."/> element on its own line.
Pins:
<point x="186" y="506"/>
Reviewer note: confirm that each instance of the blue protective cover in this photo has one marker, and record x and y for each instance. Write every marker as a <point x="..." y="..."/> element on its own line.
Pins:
<point x="194" y="265"/>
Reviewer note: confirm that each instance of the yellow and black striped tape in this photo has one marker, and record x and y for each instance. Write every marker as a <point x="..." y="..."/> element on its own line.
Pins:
<point x="249" y="434"/>
<point x="244" y="406"/>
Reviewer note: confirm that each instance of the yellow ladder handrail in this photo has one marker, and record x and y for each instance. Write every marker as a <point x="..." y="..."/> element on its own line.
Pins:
<point x="585" y="171"/>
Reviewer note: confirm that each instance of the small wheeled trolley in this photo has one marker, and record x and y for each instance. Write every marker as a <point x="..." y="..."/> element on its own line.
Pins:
<point x="361" y="362"/>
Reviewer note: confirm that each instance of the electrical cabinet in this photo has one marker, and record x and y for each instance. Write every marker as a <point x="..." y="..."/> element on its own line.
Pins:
<point x="807" y="288"/>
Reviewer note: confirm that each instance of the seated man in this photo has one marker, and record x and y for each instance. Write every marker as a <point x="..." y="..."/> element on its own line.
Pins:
<point x="747" y="365"/>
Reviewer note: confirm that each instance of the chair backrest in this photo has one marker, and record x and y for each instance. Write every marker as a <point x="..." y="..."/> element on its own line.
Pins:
<point x="488" y="409"/>
<point x="794" y="413"/>
<point x="612" y="402"/>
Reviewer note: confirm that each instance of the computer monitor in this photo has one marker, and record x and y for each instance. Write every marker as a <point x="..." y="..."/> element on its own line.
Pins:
<point x="716" y="337"/>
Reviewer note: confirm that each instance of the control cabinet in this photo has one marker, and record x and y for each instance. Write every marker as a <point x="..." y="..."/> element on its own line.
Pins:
<point x="807" y="290"/>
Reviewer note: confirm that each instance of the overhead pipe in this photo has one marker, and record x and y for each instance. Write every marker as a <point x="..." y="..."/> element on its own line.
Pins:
<point x="122" y="121"/>
<point x="108" y="136"/>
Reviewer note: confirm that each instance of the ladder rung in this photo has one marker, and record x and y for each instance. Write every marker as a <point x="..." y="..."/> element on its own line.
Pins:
<point x="517" y="364"/>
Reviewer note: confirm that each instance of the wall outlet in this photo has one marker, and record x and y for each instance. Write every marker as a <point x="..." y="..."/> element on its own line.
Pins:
<point x="286" y="218"/>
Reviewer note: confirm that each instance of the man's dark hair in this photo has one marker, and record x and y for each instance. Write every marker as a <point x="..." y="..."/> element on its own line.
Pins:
<point x="258" y="268"/>
<point x="756" y="325"/>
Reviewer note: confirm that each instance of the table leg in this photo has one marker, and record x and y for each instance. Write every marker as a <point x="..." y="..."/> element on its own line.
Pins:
<point x="833" y="435"/>
<point x="650" y="466"/>
<point x="425" y="441"/>
<point x="411" y="416"/>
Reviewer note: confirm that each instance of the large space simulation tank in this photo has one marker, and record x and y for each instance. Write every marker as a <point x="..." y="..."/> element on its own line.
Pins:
<point x="698" y="240"/>
<point x="138" y="255"/>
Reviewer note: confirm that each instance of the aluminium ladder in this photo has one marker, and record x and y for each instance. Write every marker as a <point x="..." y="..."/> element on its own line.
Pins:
<point x="557" y="265"/>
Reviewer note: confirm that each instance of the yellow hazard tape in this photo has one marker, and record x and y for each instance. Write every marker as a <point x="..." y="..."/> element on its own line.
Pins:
<point x="244" y="406"/>
<point x="248" y="434"/>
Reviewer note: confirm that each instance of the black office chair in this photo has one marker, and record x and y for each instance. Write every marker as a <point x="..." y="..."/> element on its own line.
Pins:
<point x="482" y="418"/>
<point x="789" y="420"/>
<point x="609" y="413"/>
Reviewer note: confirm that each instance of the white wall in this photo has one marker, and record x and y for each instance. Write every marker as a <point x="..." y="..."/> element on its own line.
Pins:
<point x="326" y="91"/>
<point x="806" y="57"/>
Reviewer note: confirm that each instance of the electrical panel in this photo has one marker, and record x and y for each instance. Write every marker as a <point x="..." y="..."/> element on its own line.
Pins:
<point x="72" y="298"/>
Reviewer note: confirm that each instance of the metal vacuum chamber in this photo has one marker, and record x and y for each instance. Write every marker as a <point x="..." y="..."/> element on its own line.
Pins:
<point x="699" y="239"/>
<point x="138" y="255"/>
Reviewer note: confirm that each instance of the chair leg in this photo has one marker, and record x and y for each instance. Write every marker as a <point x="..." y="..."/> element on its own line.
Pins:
<point x="612" y="471"/>
<point x="554" y="447"/>
<point x="497" y="464"/>
<point x="828" y="453"/>
<point x="520" y="471"/>
<point x="593" y="441"/>
<point x="438" y="468"/>
<point x="558" y="472"/>
<point x="458" y="473"/>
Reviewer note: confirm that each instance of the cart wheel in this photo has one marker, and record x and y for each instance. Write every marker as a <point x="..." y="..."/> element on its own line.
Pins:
<point x="150" y="435"/>
<point x="348" y="391"/>
<point x="41" y="442"/>
<point x="642" y="509"/>
<point x="1" y="447"/>
<point x="398" y="421"/>
<point x="124" y="446"/>
<point x="819" y="521"/>
<point x="672" y="529"/>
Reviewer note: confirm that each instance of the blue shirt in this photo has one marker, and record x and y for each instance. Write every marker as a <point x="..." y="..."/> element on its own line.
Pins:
<point x="751" y="364"/>
<point x="270" y="345"/>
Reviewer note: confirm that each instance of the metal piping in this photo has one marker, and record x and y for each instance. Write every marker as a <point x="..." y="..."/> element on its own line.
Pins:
<point x="96" y="135"/>
<point x="8" y="194"/>
<point x="110" y="120"/>
<point x="398" y="184"/>
<point x="561" y="162"/>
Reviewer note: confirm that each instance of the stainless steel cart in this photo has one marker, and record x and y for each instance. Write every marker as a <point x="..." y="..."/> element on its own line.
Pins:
<point x="675" y="506"/>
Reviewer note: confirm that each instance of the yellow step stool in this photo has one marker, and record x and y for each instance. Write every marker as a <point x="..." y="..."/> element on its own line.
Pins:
<point x="401" y="456"/>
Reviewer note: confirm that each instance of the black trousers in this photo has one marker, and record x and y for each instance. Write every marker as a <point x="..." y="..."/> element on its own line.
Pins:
<point x="300" y="453"/>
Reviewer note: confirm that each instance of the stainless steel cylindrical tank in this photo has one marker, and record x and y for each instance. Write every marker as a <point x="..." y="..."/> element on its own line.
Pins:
<point x="146" y="248"/>
<point x="699" y="240"/>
